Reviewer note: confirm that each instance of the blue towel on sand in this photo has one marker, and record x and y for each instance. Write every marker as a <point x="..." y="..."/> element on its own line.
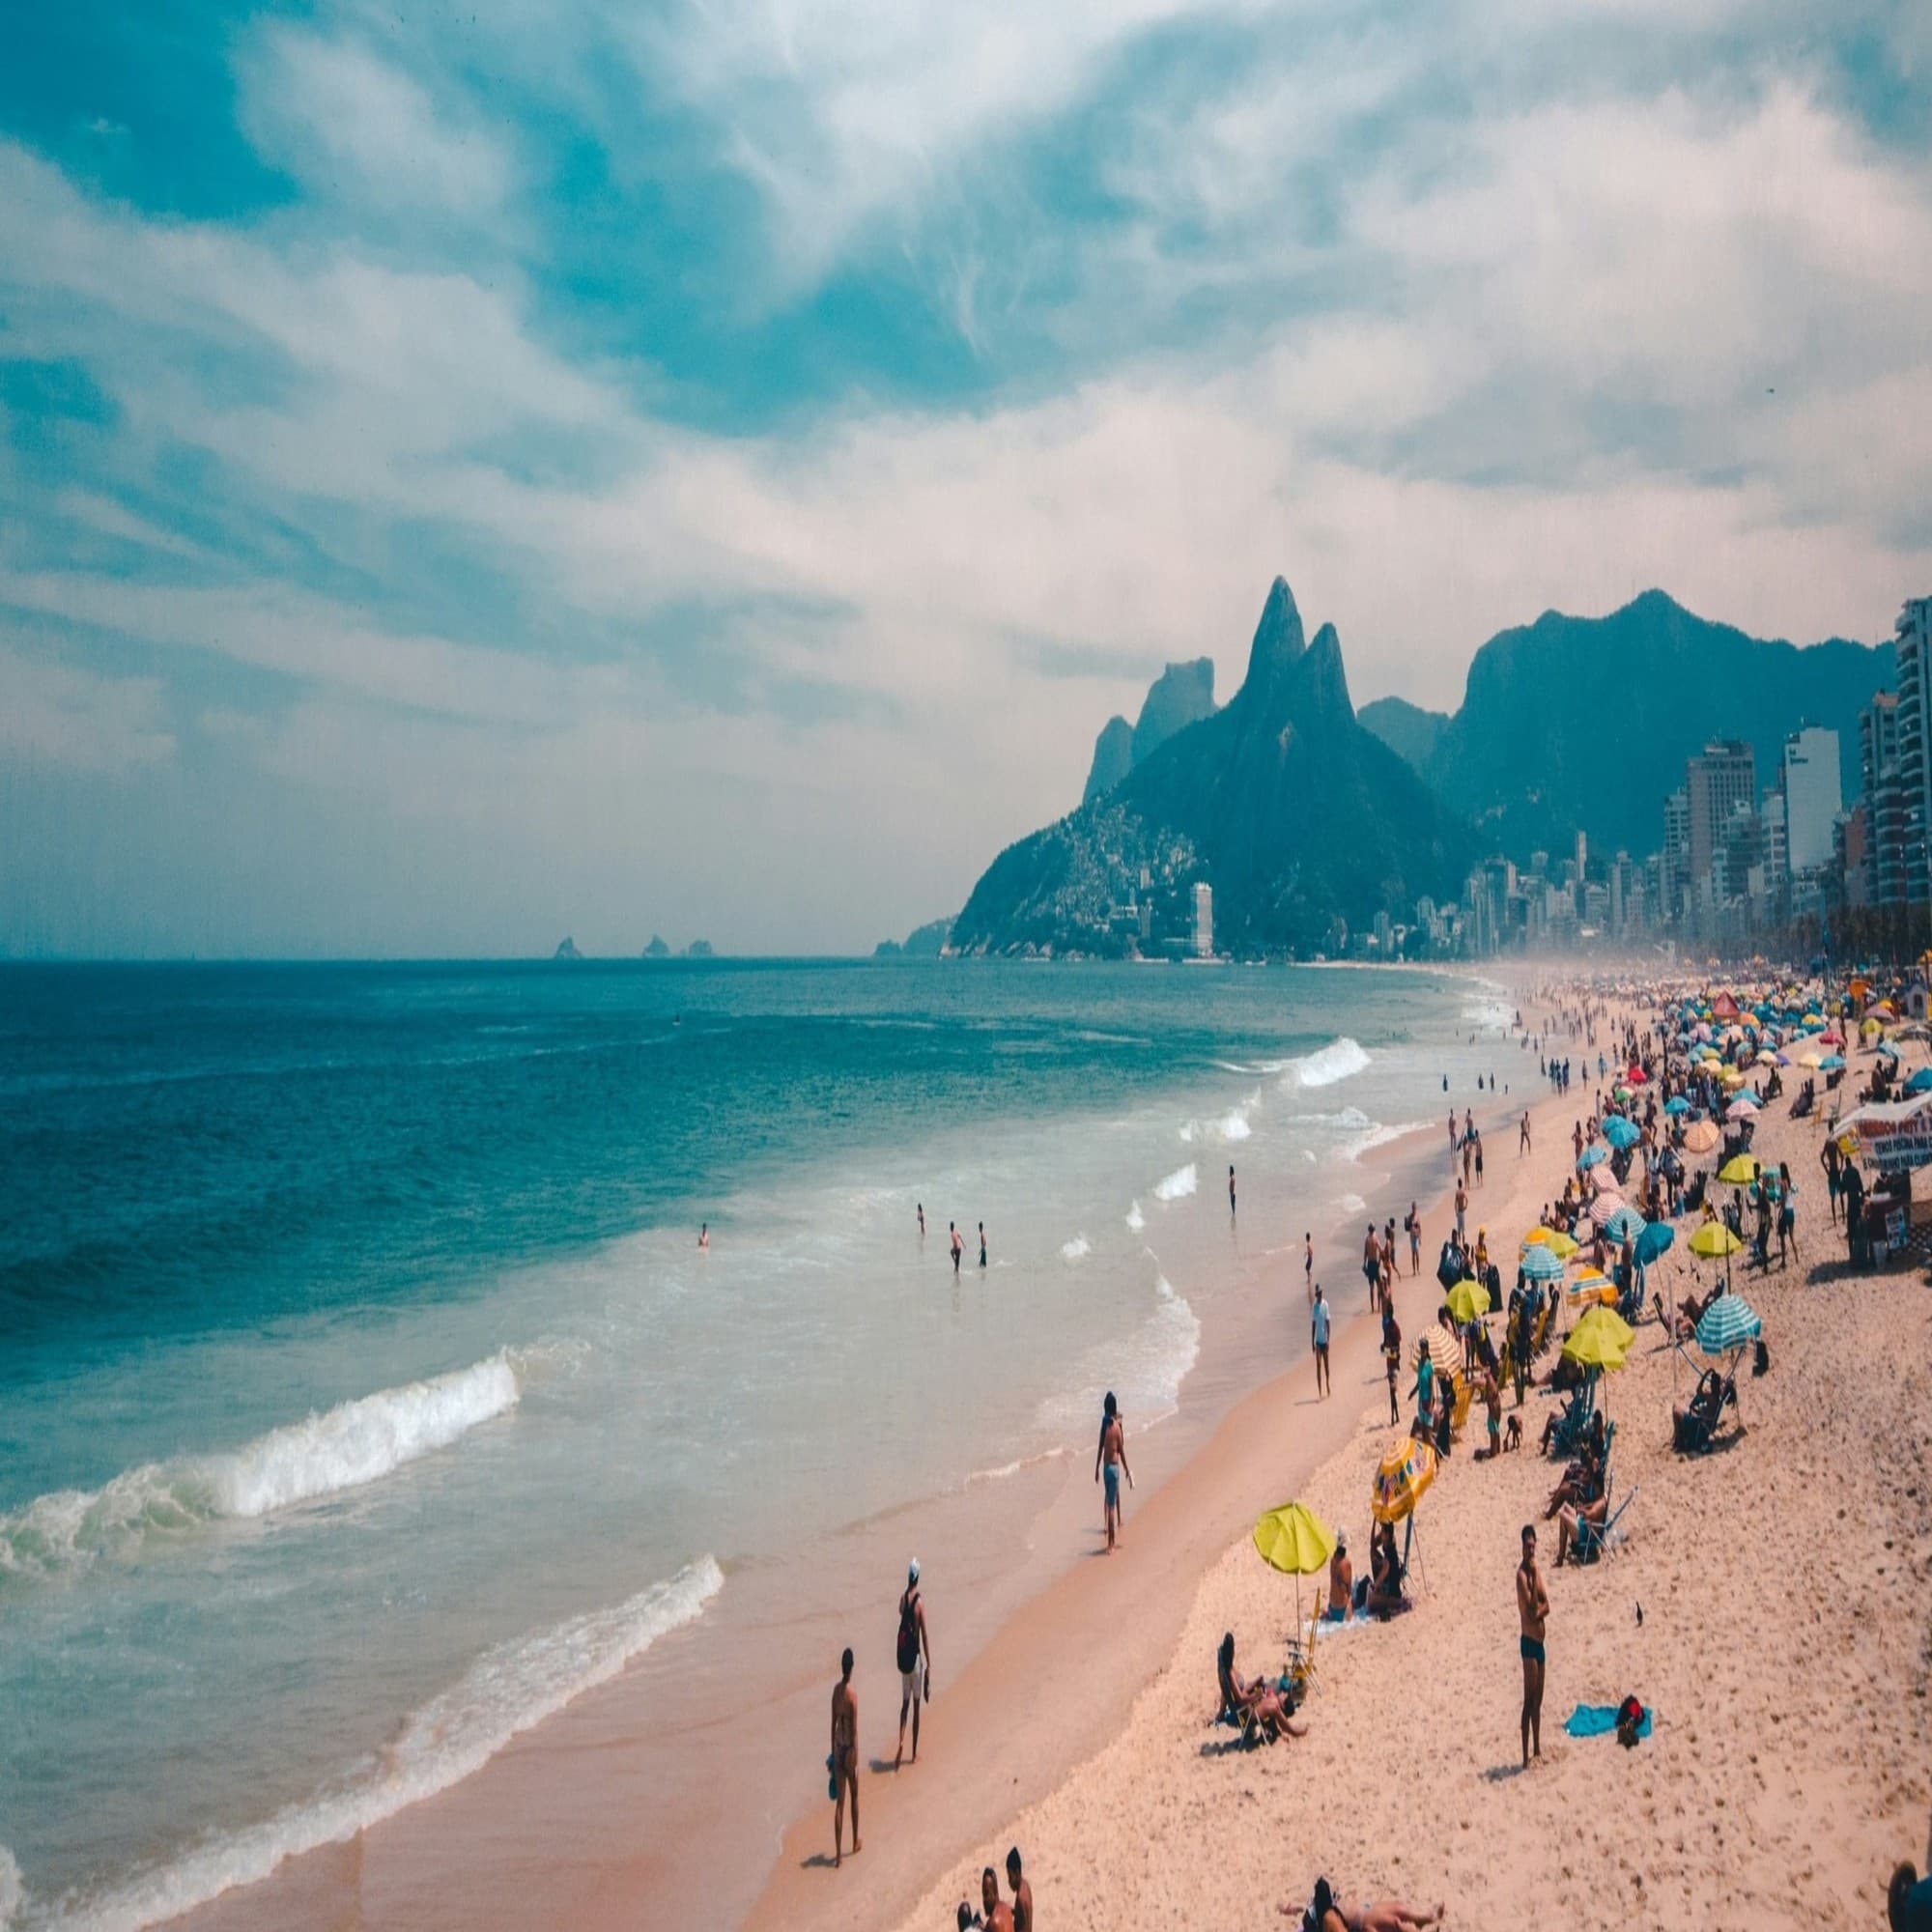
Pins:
<point x="1599" y="1720"/>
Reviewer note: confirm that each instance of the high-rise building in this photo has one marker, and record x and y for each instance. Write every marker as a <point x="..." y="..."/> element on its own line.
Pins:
<point x="1674" y="872"/>
<point x="1582" y="856"/>
<point x="1883" y="800"/>
<point x="1913" y="643"/>
<point x="1808" y="777"/>
<point x="1719" y="778"/>
<point x="1204" y="921"/>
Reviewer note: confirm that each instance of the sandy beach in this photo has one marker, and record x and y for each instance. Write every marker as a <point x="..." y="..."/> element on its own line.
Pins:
<point x="1769" y="1603"/>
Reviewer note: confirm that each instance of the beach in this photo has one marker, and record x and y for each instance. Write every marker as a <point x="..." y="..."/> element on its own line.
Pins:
<point x="1784" y="1647"/>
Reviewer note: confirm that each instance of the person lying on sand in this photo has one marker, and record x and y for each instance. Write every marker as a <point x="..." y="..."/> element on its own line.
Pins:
<point x="1329" y="1912"/>
<point x="1258" y="1703"/>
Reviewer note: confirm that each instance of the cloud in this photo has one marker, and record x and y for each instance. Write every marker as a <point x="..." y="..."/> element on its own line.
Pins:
<point x="60" y="715"/>
<point x="349" y="123"/>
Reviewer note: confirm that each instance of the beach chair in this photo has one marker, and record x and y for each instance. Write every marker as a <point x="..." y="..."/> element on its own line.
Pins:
<point x="1459" y="1414"/>
<point x="1594" y="1540"/>
<point x="1298" y="1672"/>
<point x="1573" y="1424"/>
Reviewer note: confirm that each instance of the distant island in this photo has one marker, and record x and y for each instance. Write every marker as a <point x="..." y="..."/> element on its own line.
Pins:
<point x="700" y="948"/>
<point x="567" y="950"/>
<point x="923" y="941"/>
<point x="657" y="949"/>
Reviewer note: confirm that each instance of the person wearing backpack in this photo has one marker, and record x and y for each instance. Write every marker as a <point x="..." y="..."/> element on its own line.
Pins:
<point x="915" y="1655"/>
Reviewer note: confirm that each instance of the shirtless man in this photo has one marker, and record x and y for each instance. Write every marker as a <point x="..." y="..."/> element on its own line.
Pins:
<point x="1329" y="1912"/>
<point x="1532" y="1603"/>
<point x="1341" y="1582"/>
<point x="997" y="1917"/>
<point x="1022" y="1894"/>
<point x="844" y="1758"/>
<point x="1308" y="1267"/>
<point x="958" y="1244"/>
<point x="1231" y="1187"/>
<point x="1113" y="1457"/>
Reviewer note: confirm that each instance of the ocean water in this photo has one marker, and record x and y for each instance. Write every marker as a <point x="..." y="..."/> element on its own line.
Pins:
<point x="364" y="1395"/>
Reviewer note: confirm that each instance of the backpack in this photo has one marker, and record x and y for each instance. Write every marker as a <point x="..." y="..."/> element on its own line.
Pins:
<point x="908" y="1645"/>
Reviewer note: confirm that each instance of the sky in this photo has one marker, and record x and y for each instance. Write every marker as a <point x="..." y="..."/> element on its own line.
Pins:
<point x="710" y="469"/>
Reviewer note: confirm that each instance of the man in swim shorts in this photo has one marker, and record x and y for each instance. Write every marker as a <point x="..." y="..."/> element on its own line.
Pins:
<point x="1532" y="1603"/>
<point x="1112" y="1458"/>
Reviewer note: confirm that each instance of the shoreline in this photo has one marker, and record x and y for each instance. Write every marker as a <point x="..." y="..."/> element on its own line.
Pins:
<point x="674" y="1742"/>
<point x="1045" y="1673"/>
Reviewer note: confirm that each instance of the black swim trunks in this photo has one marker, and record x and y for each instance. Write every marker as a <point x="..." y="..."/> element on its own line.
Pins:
<point x="1532" y="1649"/>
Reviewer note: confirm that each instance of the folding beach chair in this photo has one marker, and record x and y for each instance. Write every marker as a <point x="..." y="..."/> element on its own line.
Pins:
<point x="1593" y="1540"/>
<point x="1298" y="1672"/>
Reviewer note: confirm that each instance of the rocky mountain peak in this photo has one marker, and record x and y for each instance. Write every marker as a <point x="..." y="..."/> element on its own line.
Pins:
<point x="1279" y="639"/>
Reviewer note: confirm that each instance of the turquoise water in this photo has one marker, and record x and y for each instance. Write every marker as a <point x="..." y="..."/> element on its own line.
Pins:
<point x="365" y="1393"/>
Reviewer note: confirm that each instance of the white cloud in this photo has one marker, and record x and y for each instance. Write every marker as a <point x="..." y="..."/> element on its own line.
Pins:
<point x="58" y="714"/>
<point x="355" y="128"/>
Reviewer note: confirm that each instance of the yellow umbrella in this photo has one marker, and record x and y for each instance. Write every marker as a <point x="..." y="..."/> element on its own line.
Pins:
<point x="1467" y="1300"/>
<point x="1560" y="1244"/>
<point x="1590" y="1287"/>
<point x="1740" y="1171"/>
<point x="1296" y="1542"/>
<point x="1701" y="1136"/>
<point x="1408" y="1468"/>
<point x="1714" y="1241"/>
<point x="1810" y="1057"/>
<point x="1601" y="1340"/>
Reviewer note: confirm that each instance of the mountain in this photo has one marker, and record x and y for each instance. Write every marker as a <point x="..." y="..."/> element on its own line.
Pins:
<point x="1281" y="800"/>
<point x="1414" y="735"/>
<point x="1584" y="723"/>
<point x="657" y="949"/>
<point x="567" y="950"/>
<point x="923" y="941"/>
<point x="1180" y="695"/>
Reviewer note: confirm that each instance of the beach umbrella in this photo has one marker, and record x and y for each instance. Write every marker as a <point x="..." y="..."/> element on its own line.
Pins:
<point x="1741" y="1109"/>
<point x="1601" y="1340"/>
<point x="1603" y="1182"/>
<point x="1740" y="1171"/>
<point x="1701" y="1136"/>
<point x="1602" y="1209"/>
<point x="1591" y="1155"/>
<point x="1636" y="1076"/>
<point x="1540" y="1263"/>
<point x="1559" y="1244"/>
<point x="1625" y="1223"/>
<point x="1469" y="1300"/>
<point x="1920" y="1082"/>
<point x="1811" y="1058"/>
<point x="1677" y="1104"/>
<point x="1620" y="1133"/>
<point x="1831" y="1063"/>
<point x="1295" y="1541"/>
<point x="1408" y="1468"/>
<point x="1767" y="1058"/>
<point x="1714" y="1241"/>
<point x="1729" y="1323"/>
<point x="1657" y="1236"/>
<point x="1590" y="1289"/>
<point x="1442" y="1348"/>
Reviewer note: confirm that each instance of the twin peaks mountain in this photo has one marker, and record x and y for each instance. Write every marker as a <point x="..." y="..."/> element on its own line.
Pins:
<point x="1281" y="800"/>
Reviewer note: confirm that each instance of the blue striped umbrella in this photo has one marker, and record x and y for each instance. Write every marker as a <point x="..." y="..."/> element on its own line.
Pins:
<point x="1540" y="1264"/>
<point x="1729" y="1323"/>
<point x="1626" y="1221"/>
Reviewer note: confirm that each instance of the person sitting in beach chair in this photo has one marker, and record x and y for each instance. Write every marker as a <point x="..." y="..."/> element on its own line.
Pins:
<point x="1565" y="1431"/>
<point x="1693" y="1428"/>
<point x="1386" y="1575"/>
<point x="1583" y="1533"/>
<point x="1259" y="1710"/>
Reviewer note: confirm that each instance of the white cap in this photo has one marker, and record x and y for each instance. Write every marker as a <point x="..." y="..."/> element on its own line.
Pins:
<point x="912" y="1571"/>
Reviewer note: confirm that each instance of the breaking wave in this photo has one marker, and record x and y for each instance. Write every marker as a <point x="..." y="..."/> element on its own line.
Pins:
<point x="1337" y="1060"/>
<point x="1077" y="1249"/>
<point x="1136" y="1220"/>
<point x="1179" y="1184"/>
<point x="342" y="1448"/>
<point x="1144" y="1368"/>
<point x="505" y="1692"/>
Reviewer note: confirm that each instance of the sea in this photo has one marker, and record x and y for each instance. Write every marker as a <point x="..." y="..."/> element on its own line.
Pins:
<point x="366" y="1395"/>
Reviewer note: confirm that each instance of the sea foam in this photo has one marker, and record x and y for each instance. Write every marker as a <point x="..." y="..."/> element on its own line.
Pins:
<point x="1337" y="1060"/>
<point x="1179" y="1184"/>
<point x="505" y="1692"/>
<point x="1136" y="1220"/>
<point x="1077" y="1249"/>
<point x="342" y="1448"/>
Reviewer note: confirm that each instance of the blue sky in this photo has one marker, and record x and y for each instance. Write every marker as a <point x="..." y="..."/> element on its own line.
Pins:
<point x="470" y="476"/>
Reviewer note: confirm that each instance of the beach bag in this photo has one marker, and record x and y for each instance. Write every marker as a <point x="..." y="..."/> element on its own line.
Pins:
<point x="1761" y="1359"/>
<point x="908" y="1642"/>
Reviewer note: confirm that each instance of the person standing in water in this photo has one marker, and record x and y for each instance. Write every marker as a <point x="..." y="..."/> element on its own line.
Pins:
<point x="958" y="1245"/>
<point x="921" y="1220"/>
<point x="844" y="1758"/>
<point x="703" y="1236"/>
<point x="1308" y="1267"/>
<point x="983" y="1244"/>
<point x="1231" y="1187"/>
<point x="1113" y="1458"/>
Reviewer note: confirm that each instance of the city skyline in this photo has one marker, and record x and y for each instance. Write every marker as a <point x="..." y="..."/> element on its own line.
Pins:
<point x="710" y="471"/>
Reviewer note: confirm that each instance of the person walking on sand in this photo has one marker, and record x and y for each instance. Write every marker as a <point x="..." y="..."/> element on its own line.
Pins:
<point x="1523" y="1134"/>
<point x="1415" y="1239"/>
<point x="1462" y="1209"/>
<point x="1308" y="1267"/>
<point x="1231" y="1190"/>
<point x="1372" y="1266"/>
<point x="958" y="1245"/>
<point x="1022" y="1893"/>
<point x="1532" y="1604"/>
<point x="844" y="1758"/>
<point x="915" y="1661"/>
<point x="1112" y="1459"/>
<point x="983" y="1244"/>
<point x="1317" y="1334"/>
